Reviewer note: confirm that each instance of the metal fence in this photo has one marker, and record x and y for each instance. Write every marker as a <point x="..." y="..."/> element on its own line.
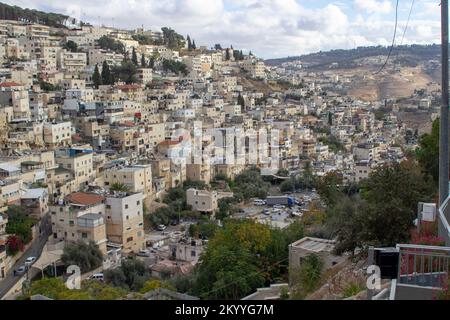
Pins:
<point x="425" y="266"/>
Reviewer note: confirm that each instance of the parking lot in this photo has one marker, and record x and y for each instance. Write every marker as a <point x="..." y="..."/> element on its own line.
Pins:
<point x="278" y="215"/>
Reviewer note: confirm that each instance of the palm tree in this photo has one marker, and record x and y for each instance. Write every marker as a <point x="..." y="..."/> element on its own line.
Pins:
<point x="117" y="186"/>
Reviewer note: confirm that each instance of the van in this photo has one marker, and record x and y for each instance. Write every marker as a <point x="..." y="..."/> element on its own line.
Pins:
<point x="259" y="202"/>
<point x="97" y="276"/>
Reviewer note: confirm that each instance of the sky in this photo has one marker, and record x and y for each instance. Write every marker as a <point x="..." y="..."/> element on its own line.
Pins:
<point x="269" y="28"/>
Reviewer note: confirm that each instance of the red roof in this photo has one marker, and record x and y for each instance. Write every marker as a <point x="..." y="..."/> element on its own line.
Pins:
<point x="10" y="84"/>
<point x="84" y="198"/>
<point x="128" y="123"/>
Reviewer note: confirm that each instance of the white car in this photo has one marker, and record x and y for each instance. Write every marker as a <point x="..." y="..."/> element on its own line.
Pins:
<point x="97" y="276"/>
<point x="143" y="253"/>
<point x="30" y="260"/>
<point x="162" y="227"/>
<point x="279" y="206"/>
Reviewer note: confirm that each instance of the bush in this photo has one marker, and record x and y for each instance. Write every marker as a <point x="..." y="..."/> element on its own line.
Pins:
<point x="131" y="275"/>
<point x="19" y="224"/>
<point x="307" y="278"/>
<point x="87" y="256"/>
<point x="13" y="245"/>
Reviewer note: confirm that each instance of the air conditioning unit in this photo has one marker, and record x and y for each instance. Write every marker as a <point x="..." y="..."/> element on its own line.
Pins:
<point x="428" y="212"/>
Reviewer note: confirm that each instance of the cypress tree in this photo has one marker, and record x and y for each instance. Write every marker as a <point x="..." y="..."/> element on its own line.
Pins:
<point x="106" y="74"/>
<point x="189" y="43"/>
<point x="96" y="79"/>
<point x="193" y="45"/>
<point x="134" y="58"/>
<point x="143" y="64"/>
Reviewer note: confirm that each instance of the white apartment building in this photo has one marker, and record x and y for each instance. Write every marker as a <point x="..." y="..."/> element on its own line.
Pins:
<point x="125" y="220"/>
<point x="137" y="178"/>
<point x="202" y="200"/>
<point x="71" y="61"/>
<point x="58" y="134"/>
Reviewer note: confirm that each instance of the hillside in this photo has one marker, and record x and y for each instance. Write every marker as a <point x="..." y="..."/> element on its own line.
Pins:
<point x="8" y="12"/>
<point x="407" y="55"/>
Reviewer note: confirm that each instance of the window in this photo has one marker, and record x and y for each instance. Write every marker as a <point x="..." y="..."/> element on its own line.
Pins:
<point x="84" y="235"/>
<point x="192" y="253"/>
<point x="129" y="239"/>
<point x="138" y="202"/>
<point x="126" y="206"/>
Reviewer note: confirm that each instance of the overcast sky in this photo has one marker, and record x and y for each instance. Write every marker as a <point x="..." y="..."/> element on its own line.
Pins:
<point x="270" y="28"/>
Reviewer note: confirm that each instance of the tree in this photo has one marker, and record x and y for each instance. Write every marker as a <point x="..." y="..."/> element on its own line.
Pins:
<point x="217" y="46"/>
<point x="121" y="187"/>
<point x="344" y="221"/>
<point x="151" y="285"/>
<point x="143" y="63"/>
<point x="227" y="54"/>
<point x="384" y="214"/>
<point x="55" y="288"/>
<point x="134" y="58"/>
<point x="175" y="66"/>
<point x="428" y="152"/>
<point x="85" y="255"/>
<point x="46" y="86"/>
<point x="108" y="43"/>
<point x="126" y="72"/>
<point x="152" y="63"/>
<point x="287" y="186"/>
<point x="307" y="278"/>
<point x="19" y="223"/>
<point x="194" y="46"/>
<point x="106" y="74"/>
<point x="188" y="39"/>
<point x="131" y="275"/>
<point x="241" y="101"/>
<point x="71" y="46"/>
<point x="96" y="78"/>
<point x="172" y="40"/>
<point x="13" y="245"/>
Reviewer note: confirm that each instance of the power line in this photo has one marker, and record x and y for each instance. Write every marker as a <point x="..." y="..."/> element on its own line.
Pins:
<point x="406" y="28"/>
<point x="393" y="41"/>
<point x="407" y="22"/>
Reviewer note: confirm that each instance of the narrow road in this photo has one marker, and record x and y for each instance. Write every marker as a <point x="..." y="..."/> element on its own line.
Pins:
<point x="34" y="250"/>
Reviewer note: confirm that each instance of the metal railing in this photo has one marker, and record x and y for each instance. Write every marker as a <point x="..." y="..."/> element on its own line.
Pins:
<point x="443" y="223"/>
<point x="424" y="266"/>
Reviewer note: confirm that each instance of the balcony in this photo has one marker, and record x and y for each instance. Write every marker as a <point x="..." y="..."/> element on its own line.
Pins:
<point x="422" y="272"/>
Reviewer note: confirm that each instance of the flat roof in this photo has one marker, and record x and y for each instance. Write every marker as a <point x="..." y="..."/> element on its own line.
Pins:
<point x="314" y="244"/>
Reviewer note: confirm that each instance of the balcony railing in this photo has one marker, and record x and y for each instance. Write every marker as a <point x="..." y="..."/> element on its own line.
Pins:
<point x="424" y="266"/>
<point x="444" y="219"/>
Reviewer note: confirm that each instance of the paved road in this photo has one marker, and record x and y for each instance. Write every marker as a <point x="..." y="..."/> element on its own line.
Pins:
<point x="34" y="250"/>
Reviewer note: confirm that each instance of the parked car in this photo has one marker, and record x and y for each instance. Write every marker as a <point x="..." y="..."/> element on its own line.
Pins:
<point x="97" y="276"/>
<point x="30" y="260"/>
<point x="162" y="227"/>
<point x="279" y="206"/>
<point x="20" y="270"/>
<point x="259" y="202"/>
<point x="266" y="212"/>
<point x="143" y="253"/>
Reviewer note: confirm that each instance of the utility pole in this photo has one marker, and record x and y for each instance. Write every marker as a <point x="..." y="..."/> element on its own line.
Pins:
<point x="444" y="133"/>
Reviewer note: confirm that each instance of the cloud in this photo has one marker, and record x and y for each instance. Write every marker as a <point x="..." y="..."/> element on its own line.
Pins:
<point x="374" y="6"/>
<point x="269" y="28"/>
